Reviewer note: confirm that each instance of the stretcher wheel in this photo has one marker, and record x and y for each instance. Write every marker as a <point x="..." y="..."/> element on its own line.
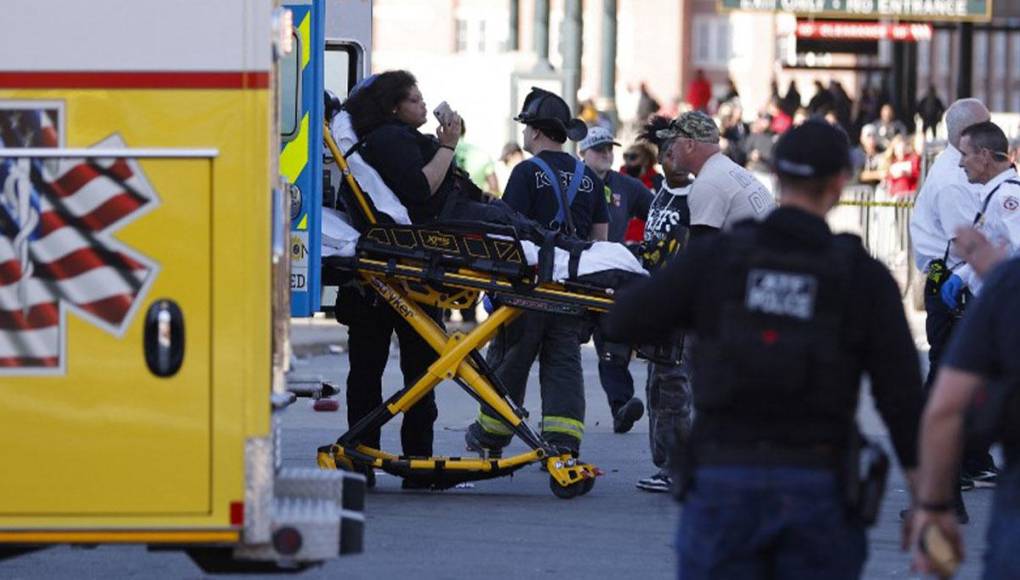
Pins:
<point x="587" y="485"/>
<point x="569" y="492"/>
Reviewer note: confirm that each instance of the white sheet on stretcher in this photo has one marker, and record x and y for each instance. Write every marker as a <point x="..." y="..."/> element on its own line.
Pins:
<point x="339" y="238"/>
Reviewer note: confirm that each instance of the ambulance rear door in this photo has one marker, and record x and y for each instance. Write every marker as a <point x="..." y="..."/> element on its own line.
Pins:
<point x="105" y="307"/>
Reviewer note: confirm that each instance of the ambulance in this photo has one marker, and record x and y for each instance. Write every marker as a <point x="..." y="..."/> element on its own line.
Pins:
<point x="160" y="170"/>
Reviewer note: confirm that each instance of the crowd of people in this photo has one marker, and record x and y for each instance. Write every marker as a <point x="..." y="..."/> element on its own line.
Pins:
<point x="885" y="153"/>
<point x="774" y="320"/>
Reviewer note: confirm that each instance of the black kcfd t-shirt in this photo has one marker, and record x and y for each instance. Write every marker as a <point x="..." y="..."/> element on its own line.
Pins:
<point x="529" y="192"/>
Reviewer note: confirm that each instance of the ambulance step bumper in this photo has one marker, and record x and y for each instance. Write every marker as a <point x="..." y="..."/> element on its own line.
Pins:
<point x="315" y="516"/>
<point x="346" y="490"/>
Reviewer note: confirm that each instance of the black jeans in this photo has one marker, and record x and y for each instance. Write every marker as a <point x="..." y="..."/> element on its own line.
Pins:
<point x="371" y="323"/>
<point x="614" y="374"/>
<point x="939" y="324"/>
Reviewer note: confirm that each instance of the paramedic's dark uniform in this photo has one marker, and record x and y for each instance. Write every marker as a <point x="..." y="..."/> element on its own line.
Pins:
<point x="398" y="152"/>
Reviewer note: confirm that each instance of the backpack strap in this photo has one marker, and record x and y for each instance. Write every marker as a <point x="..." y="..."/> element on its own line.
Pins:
<point x="564" y="199"/>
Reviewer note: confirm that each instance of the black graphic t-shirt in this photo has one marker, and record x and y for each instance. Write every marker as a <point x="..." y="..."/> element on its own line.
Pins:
<point x="529" y="192"/>
<point x="667" y="226"/>
<point x="669" y="216"/>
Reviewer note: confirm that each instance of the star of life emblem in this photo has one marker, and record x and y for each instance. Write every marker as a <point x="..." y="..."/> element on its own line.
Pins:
<point x="58" y="253"/>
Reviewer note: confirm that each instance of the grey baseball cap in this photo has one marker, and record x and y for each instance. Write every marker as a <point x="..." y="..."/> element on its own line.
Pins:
<point x="596" y="136"/>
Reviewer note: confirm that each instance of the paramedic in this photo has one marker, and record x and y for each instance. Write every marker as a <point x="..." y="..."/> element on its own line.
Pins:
<point x="386" y="111"/>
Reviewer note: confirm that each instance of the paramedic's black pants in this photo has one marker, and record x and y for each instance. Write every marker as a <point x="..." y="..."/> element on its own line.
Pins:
<point x="939" y="324"/>
<point x="371" y="323"/>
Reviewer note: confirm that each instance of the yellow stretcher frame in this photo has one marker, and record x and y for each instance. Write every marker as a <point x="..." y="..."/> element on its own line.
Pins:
<point x="458" y="360"/>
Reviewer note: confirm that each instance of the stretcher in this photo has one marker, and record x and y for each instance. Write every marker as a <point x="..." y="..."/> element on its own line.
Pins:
<point x="449" y="265"/>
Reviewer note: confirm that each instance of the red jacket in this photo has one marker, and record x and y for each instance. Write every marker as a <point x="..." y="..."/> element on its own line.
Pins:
<point x="908" y="171"/>
<point x="699" y="93"/>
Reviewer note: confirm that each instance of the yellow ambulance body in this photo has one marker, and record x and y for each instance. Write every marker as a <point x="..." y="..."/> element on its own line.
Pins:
<point x="138" y="292"/>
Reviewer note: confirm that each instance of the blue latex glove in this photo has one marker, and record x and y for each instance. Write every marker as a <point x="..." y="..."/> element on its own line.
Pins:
<point x="951" y="291"/>
<point x="487" y="304"/>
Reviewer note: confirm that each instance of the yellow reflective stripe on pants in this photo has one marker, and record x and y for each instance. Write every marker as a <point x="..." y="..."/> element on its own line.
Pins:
<point x="493" y="426"/>
<point x="564" y="425"/>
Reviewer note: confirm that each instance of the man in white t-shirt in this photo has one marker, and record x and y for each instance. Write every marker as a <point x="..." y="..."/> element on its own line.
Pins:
<point x="723" y="192"/>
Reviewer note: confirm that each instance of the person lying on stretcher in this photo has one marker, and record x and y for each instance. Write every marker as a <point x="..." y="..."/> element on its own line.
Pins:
<point x="411" y="179"/>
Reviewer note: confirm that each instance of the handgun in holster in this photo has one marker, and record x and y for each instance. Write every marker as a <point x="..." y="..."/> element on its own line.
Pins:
<point x="864" y="477"/>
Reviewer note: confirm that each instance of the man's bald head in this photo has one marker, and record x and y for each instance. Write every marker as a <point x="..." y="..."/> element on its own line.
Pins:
<point x="962" y="114"/>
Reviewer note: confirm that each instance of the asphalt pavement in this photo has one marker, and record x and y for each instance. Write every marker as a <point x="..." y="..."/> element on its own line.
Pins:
<point x="505" y="528"/>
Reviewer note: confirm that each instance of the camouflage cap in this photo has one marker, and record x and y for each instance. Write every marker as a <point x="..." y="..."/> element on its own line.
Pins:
<point x="693" y="125"/>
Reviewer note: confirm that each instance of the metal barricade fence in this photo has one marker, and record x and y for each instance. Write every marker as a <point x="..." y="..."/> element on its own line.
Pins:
<point x="883" y="223"/>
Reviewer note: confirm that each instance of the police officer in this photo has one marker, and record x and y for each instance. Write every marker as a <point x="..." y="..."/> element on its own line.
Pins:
<point x="787" y="317"/>
<point x="626" y="198"/>
<point x="558" y="191"/>
<point x="981" y="358"/>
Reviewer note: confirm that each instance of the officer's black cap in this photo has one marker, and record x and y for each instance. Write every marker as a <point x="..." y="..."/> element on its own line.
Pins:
<point x="813" y="150"/>
<point x="545" y="110"/>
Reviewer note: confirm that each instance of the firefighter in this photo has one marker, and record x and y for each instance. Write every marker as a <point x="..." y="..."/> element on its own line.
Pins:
<point x="787" y="318"/>
<point x="559" y="192"/>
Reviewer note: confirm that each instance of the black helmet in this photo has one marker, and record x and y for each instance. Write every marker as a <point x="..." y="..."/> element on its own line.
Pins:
<point x="548" y="112"/>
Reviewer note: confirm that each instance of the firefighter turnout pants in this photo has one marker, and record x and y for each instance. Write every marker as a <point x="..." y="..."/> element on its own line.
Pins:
<point x="555" y="340"/>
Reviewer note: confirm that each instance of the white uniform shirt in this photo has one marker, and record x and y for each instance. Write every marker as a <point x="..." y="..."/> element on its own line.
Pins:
<point x="1001" y="220"/>
<point x="724" y="193"/>
<point x="945" y="203"/>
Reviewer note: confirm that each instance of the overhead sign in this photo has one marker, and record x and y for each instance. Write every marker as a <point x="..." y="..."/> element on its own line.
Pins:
<point x="926" y="10"/>
<point x="853" y="31"/>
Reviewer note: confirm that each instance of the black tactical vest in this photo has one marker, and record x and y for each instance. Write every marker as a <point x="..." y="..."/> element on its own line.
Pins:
<point x="777" y="356"/>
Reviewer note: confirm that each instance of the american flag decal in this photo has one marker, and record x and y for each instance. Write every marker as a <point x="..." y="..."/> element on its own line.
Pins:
<point x="57" y="251"/>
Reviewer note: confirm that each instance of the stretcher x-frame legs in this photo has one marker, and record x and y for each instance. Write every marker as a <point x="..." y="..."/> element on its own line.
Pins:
<point x="459" y="361"/>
